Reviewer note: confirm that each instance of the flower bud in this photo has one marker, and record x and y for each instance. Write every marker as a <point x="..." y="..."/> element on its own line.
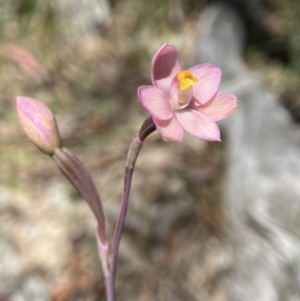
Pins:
<point x="38" y="123"/>
<point x="22" y="57"/>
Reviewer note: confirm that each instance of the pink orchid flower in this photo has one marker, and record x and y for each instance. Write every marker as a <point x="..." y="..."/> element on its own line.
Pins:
<point x="185" y="100"/>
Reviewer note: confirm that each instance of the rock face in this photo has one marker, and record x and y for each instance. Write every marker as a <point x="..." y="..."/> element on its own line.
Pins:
<point x="262" y="189"/>
<point x="82" y="18"/>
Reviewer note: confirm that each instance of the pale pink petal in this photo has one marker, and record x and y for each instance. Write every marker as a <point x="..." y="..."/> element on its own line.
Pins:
<point x="38" y="123"/>
<point x="219" y="107"/>
<point x="179" y="99"/>
<point x="155" y="102"/>
<point x="169" y="129"/>
<point x="165" y="65"/>
<point x="26" y="61"/>
<point x="209" y="77"/>
<point x="198" y="125"/>
<point x="174" y="98"/>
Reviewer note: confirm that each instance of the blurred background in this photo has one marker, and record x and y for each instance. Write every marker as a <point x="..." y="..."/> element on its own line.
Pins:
<point x="85" y="60"/>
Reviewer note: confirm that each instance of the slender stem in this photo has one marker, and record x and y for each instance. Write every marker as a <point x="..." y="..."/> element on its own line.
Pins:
<point x="133" y="152"/>
<point x="146" y="129"/>
<point x="109" y="286"/>
<point x="75" y="171"/>
<point x="71" y="166"/>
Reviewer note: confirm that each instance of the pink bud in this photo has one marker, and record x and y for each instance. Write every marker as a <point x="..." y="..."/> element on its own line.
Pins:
<point x="22" y="57"/>
<point x="38" y="123"/>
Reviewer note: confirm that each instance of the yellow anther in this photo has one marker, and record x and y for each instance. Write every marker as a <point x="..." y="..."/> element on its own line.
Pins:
<point x="186" y="79"/>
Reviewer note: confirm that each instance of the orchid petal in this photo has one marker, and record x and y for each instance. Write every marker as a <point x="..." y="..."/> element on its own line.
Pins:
<point x="155" y="102"/>
<point x="165" y="65"/>
<point x="25" y="60"/>
<point x="179" y="99"/>
<point x="169" y="129"/>
<point x="198" y="125"/>
<point x="38" y="123"/>
<point x="174" y="97"/>
<point x="219" y="107"/>
<point x="209" y="77"/>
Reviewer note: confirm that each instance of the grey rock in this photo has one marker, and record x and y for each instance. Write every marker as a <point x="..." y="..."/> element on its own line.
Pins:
<point x="82" y="17"/>
<point x="31" y="289"/>
<point x="262" y="190"/>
